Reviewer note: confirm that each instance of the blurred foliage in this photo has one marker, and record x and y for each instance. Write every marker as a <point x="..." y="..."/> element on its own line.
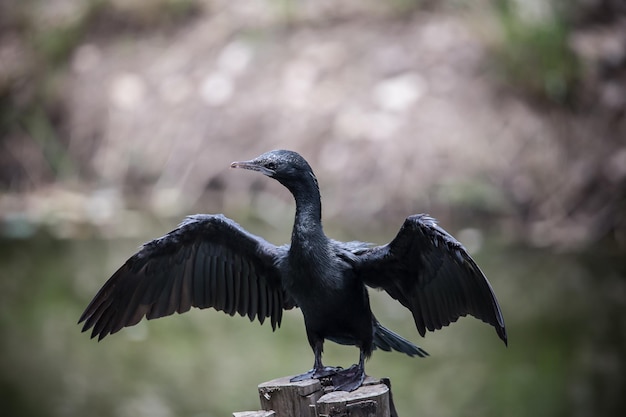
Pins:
<point x="534" y="53"/>
<point x="41" y="37"/>
<point x="535" y="56"/>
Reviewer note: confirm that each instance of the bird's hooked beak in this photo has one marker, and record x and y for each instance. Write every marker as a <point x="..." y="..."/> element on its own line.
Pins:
<point x="252" y="166"/>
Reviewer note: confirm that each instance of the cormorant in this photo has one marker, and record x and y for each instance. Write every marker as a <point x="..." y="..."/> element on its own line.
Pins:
<point x="210" y="261"/>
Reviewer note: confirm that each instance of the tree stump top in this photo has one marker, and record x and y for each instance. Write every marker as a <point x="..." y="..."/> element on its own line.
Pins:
<point x="314" y="398"/>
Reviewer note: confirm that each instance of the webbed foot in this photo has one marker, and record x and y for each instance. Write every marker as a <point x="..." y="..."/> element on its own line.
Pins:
<point x="318" y="373"/>
<point x="348" y="379"/>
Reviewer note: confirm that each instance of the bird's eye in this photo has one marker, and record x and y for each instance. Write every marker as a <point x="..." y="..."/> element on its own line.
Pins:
<point x="271" y="165"/>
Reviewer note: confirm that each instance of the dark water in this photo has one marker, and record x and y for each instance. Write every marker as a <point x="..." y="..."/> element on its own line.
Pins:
<point x="564" y="313"/>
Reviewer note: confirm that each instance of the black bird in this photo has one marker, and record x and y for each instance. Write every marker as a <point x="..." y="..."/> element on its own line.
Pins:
<point x="210" y="261"/>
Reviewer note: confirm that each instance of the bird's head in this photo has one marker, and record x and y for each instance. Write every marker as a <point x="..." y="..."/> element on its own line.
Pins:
<point x="287" y="167"/>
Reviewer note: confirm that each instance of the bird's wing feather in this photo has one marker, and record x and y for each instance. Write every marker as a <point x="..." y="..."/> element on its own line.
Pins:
<point x="430" y="273"/>
<point x="208" y="261"/>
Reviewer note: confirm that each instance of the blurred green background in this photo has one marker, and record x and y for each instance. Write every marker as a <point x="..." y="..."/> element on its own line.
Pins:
<point x="504" y="119"/>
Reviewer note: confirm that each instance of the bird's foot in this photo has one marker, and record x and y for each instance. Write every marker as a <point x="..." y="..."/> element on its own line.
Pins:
<point x="317" y="373"/>
<point x="326" y="371"/>
<point x="348" y="379"/>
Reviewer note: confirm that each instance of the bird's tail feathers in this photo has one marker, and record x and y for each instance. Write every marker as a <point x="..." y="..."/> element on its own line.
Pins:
<point x="387" y="340"/>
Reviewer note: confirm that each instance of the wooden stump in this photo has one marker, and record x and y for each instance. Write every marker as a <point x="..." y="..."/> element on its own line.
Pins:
<point x="311" y="398"/>
<point x="290" y="399"/>
<point x="367" y="401"/>
<point x="255" y="414"/>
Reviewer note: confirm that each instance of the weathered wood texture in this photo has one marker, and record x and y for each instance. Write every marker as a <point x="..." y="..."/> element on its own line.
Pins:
<point x="367" y="401"/>
<point x="311" y="398"/>
<point x="255" y="414"/>
<point x="289" y="399"/>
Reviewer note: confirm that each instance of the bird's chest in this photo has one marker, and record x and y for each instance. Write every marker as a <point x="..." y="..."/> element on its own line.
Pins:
<point x="313" y="275"/>
<point x="317" y="277"/>
<point x="321" y="287"/>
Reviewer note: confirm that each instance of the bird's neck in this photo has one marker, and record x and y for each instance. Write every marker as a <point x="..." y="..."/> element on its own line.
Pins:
<point x="308" y="222"/>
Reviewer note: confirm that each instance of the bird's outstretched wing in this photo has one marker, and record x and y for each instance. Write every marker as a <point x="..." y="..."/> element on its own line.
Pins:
<point x="208" y="261"/>
<point x="430" y="273"/>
